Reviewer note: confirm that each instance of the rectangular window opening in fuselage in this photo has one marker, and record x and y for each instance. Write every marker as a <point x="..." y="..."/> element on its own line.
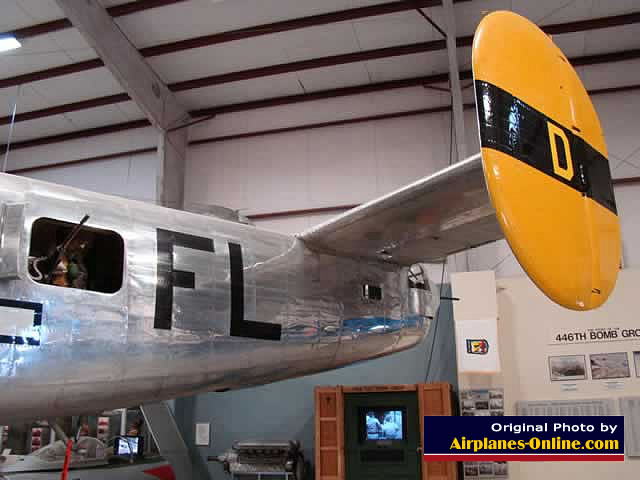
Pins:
<point x="92" y="259"/>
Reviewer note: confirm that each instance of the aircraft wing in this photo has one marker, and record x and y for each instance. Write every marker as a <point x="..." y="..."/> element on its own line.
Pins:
<point x="425" y="221"/>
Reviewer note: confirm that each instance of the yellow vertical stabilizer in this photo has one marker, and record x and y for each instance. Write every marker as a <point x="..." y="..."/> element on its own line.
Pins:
<point x="545" y="162"/>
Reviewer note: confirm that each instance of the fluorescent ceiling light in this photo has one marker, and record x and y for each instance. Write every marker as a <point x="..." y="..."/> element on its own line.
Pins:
<point x="9" y="43"/>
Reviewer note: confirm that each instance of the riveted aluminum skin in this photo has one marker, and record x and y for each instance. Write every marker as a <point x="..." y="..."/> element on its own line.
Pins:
<point x="98" y="351"/>
<point x="443" y="213"/>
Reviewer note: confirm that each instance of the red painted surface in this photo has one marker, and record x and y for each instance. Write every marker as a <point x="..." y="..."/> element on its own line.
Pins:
<point x="67" y="458"/>
<point x="165" y="472"/>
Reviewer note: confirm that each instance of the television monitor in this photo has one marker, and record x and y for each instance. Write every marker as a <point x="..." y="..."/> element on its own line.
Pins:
<point x="129" y="445"/>
<point x="381" y="424"/>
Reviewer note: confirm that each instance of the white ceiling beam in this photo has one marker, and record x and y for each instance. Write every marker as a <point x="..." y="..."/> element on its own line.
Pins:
<point x="144" y="86"/>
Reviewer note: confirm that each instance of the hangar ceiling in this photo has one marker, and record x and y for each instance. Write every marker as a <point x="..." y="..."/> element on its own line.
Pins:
<point x="235" y="55"/>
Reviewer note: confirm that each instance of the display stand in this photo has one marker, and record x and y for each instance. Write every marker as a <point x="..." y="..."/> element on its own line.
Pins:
<point x="168" y="438"/>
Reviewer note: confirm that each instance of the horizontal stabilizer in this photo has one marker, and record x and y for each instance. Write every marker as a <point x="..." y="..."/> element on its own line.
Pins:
<point x="441" y="214"/>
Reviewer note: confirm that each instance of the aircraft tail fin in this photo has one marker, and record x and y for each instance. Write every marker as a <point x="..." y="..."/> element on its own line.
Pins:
<point x="543" y="163"/>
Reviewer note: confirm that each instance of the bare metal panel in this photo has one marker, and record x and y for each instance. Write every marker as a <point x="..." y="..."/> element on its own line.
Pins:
<point x="100" y="351"/>
<point x="425" y="221"/>
<point x="11" y="221"/>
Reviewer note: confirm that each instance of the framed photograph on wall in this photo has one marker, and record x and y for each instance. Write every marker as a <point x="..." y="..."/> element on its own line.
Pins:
<point x="609" y="365"/>
<point x="500" y="469"/>
<point x="564" y="368"/>
<point x="485" y="469"/>
<point x="471" y="469"/>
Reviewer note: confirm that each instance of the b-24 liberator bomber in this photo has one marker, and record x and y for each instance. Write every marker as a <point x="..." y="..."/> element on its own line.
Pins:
<point x="107" y="302"/>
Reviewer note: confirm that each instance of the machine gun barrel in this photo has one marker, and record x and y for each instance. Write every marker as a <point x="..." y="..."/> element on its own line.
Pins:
<point x="61" y="249"/>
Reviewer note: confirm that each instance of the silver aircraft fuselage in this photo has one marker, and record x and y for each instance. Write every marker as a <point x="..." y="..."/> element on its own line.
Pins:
<point x="205" y="305"/>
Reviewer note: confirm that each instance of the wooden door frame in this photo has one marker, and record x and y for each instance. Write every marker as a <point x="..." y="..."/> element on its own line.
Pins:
<point x="433" y="399"/>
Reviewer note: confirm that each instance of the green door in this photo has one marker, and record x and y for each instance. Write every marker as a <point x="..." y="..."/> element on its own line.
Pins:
<point x="382" y="436"/>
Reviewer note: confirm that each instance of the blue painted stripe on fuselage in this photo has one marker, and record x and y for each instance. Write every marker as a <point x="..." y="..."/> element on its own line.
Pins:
<point x="381" y="324"/>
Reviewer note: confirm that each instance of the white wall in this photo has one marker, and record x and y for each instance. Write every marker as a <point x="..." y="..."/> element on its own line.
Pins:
<point x="320" y="167"/>
<point x="82" y="148"/>
<point x="528" y="322"/>
<point x="133" y="176"/>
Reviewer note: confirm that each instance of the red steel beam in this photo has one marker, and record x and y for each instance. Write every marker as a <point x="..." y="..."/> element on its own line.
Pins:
<point x="144" y="123"/>
<point x="302" y="65"/>
<point x="238" y="107"/>
<point x="109" y="156"/>
<point x="288" y="25"/>
<point x="366" y="55"/>
<point x="335" y="123"/>
<point x="229" y="36"/>
<point x="291" y="99"/>
<point x="626" y="181"/>
<point x="63" y="23"/>
<point x="621" y="89"/>
<point x="256" y="216"/>
<point x="623" y="181"/>
<point x="306" y="211"/>
<point x="321" y="95"/>
<point x="342" y="208"/>
<point x="66" y="108"/>
<point x="445" y="108"/>
<point x="283" y="26"/>
<point x="593" y="24"/>
<point x="89" y="132"/>
<point x="51" y="73"/>
<point x="362" y="12"/>
<point x="611" y="57"/>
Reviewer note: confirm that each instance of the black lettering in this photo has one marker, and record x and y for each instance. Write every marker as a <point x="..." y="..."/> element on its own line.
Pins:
<point x="239" y="326"/>
<point x="167" y="277"/>
<point x="562" y="155"/>
<point x="601" y="335"/>
<point x="626" y="333"/>
<point x="37" y="322"/>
